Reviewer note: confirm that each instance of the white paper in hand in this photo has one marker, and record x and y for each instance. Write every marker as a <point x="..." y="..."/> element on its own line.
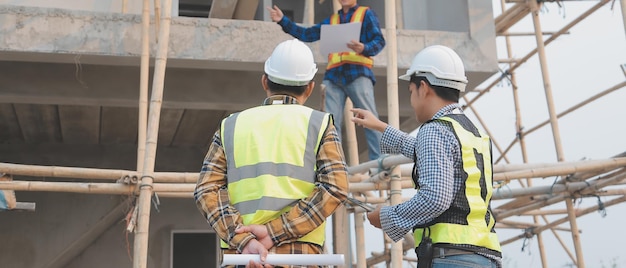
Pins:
<point x="335" y="38"/>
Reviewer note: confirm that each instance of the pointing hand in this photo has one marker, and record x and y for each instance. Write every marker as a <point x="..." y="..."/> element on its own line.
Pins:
<point x="275" y="13"/>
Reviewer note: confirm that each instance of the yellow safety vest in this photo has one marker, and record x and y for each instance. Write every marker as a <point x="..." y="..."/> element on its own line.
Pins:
<point x="271" y="161"/>
<point x="340" y="58"/>
<point x="476" y="226"/>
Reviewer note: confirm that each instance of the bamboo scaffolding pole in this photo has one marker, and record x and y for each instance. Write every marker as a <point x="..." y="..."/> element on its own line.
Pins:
<point x="518" y="127"/>
<point x="553" y="199"/>
<point x="341" y="219"/>
<point x="309" y="12"/>
<point x="506" y="151"/>
<point x="387" y="161"/>
<point x="186" y="190"/>
<point x="502" y="169"/>
<point x="365" y="183"/>
<point x="92" y="173"/>
<point x="561" y="170"/>
<point x="557" y="188"/>
<point x="399" y="15"/>
<point x="545" y="75"/>
<point x="563" y="30"/>
<point x="505" y="171"/>
<point x="69" y="187"/>
<point x="556" y="134"/>
<point x="157" y="19"/>
<point x="558" y="238"/>
<point x="124" y="6"/>
<point x="579" y="105"/>
<point x="565" y="219"/>
<point x="524" y="200"/>
<point x="142" y="124"/>
<point x="609" y="179"/>
<point x="140" y="252"/>
<point x="359" y="217"/>
<point x="545" y="212"/>
<point x="510" y="34"/>
<point x="524" y="225"/>
<point x="395" y="184"/>
<point x="336" y="5"/>
<point x="571" y="109"/>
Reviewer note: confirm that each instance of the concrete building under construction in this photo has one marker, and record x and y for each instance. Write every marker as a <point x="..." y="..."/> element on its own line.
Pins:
<point x="91" y="110"/>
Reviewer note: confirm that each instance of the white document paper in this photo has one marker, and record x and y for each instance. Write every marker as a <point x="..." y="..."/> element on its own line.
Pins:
<point x="335" y="37"/>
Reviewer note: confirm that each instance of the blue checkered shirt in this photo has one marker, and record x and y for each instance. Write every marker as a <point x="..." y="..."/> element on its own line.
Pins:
<point x="371" y="37"/>
<point x="437" y="152"/>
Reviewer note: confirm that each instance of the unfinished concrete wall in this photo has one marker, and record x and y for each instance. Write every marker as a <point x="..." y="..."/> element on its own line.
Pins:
<point x="36" y="238"/>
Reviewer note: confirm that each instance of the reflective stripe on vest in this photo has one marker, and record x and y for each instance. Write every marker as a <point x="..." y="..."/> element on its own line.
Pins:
<point x="477" y="227"/>
<point x="271" y="168"/>
<point x="338" y="59"/>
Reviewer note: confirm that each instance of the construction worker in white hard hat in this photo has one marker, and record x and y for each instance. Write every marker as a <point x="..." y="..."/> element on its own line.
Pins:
<point x="275" y="172"/>
<point x="450" y="214"/>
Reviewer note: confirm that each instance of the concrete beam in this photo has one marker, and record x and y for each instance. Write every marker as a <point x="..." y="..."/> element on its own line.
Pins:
<point x="70" y="36"/>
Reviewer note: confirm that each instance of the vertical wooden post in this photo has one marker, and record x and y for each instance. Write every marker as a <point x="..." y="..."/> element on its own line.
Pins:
<point x="353" y="160"/>
<point x="394" y="114"/>
<point x="309" y="12"/>
<point x="534" y="7"/>
<point x="140" y="254"/>
<point x="143" y="85"/>
<point x="522" y="142"/>
<point x="399" y="15"/>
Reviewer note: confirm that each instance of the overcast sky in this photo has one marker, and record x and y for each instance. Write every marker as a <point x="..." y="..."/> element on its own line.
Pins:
<point x="580" y="64"/>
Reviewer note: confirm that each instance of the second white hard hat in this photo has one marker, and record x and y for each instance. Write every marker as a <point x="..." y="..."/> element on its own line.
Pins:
<point x="291" y="64"/>
<point x="440" y="65"/>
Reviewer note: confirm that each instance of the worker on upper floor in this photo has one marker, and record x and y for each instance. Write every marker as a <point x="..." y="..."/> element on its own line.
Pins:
<point x="349" y="73"/>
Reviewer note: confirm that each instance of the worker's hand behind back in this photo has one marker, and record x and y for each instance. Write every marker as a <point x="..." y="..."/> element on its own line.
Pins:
<point x="259" y="231"/>
<point x="275" y="13"/>
<point x="255" y="247"/>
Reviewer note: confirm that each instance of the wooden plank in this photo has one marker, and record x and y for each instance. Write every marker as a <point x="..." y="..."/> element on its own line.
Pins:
<point x="222" y="9"/>
<point x="40" y="123"/>
<point x="170" y="119"/>
<point x="10" y="131"/>
<point x="80" y="124"/>
<point x="118" y="125"/>
<point x="197" y="127"/>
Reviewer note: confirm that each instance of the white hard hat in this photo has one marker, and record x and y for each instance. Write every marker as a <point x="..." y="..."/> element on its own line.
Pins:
<point x="291" y="64"/>
<point x="440" y="65"/>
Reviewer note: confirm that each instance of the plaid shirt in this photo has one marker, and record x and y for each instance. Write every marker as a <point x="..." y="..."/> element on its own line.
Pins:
<point x="371" y="37"/>
<point x="331" y="186"/>
<point x="439" y="154"/>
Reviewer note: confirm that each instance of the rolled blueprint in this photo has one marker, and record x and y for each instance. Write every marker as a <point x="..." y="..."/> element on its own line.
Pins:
<point x="285" y="259"/>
